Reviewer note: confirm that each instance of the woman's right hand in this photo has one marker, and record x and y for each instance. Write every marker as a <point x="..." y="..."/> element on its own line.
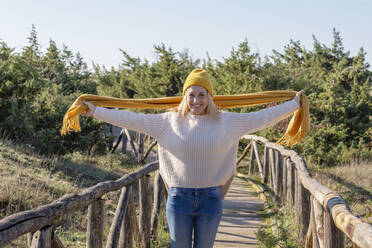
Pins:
<point x="298" y="97"/>
<point x="91" y="110"/>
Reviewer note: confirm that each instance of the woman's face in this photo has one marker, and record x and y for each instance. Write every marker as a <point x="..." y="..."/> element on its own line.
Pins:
<point x="197" y="100"/>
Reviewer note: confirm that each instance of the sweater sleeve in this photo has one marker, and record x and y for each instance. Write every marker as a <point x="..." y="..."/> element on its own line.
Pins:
<point x="245" y="123"/>
<point x="151" y="124"/>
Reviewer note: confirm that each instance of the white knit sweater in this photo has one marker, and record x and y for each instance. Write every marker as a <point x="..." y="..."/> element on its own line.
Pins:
<point x="196" y="151"/>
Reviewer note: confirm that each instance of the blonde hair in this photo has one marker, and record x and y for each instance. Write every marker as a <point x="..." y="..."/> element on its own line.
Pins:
<point x="183" y="108"/>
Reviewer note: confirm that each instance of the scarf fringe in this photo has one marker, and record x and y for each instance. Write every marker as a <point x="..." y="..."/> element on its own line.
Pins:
<point x="288" y="140"/>
<point x="70" y="124"/>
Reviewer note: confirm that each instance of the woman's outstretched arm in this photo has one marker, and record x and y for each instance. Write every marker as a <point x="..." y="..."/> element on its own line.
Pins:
<point x="244" y="123"/>
<point x="151" y="124"/>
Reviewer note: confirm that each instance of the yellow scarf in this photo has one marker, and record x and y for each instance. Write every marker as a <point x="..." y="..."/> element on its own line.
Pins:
<point x="297" y="128"/>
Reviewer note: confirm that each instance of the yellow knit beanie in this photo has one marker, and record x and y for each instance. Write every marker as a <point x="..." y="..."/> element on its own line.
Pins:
<point x="198" y="77"/>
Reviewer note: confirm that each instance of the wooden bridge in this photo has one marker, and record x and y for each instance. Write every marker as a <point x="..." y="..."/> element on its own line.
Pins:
<point x="323" y="217"/>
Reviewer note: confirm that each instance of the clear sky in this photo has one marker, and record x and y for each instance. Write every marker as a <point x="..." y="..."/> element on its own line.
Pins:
<point x="97" y="29"/>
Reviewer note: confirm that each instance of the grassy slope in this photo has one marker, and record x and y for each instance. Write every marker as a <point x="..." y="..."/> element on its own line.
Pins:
<point x="28" y="180"/>
<point x="353" y="182"/>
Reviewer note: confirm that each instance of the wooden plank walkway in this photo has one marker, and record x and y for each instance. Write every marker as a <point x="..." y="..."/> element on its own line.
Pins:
<point x="240" y="219"/>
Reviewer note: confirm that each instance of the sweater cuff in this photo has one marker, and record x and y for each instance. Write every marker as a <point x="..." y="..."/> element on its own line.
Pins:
<point x="96" y="112"/>
<point x="298" y="100"/>
<point x="100" y="113"/>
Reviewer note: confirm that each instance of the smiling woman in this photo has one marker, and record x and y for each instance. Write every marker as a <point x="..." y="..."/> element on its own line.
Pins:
<point x="197" y="146"/>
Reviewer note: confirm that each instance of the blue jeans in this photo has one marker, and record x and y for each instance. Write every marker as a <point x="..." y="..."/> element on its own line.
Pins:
<point x="194" y="209"/>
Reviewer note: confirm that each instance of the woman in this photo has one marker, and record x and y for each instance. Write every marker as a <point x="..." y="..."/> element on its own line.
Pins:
<point x="197" y="146"/>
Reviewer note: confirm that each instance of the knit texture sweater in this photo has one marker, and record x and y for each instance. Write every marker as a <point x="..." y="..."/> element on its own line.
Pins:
<point x="196" y="151"/>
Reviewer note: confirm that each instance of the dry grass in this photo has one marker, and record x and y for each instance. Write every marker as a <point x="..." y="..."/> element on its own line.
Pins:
<point x="353" y="182"/>
<point x="28" y="180"/>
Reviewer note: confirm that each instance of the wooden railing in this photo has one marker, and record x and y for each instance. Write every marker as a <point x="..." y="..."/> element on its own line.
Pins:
<point x="323" y="217"/>
<point x="40" y="222"/>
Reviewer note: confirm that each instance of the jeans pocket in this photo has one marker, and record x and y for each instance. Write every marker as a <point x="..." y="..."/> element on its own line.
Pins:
<point x="215" y="194"/>
<point x="176" y="193"/>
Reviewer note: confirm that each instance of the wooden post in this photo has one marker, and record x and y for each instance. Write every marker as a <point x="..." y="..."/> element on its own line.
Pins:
<point x="29" y="239"/>
<point x="118" y="141"/>
<point x="56" y="243"/>
<point x="145" y="211"/>
<point x="164" y="205"/>
<point x="96" y="216"/>
<point x="309" y="238"/>
<point x="124" y="143"/>
<point x="317" y="222"/>
<point x="143" y="158"/>
<point x="333" y="237"/>
<point x="251" y="161"/>
<point x="140" y="144"/>
<point x="257" y="155"/>
<point x="302" y="207"/>
<point x="276" y="176"/>
<point x="113" y="238"/>
<point x="327" y="222"/>
<point x="110" y="133"/>
<point x="131" y="143"/>
<point x="266" y="165"/>
<point x="284" y="179"/>
<point x="290" y="182"/>
<point x="279" y="172"/>
<point x="246" y="150"/>
<point x="158" y="192"/>
<point x="129" y="230"/>
<point x="295" y="193"/>
<point x="42" y="238"/>
<point x="272" y="166"/>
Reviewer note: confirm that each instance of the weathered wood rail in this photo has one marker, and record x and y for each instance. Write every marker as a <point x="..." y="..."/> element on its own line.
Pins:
<point x="323" y="217"/>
